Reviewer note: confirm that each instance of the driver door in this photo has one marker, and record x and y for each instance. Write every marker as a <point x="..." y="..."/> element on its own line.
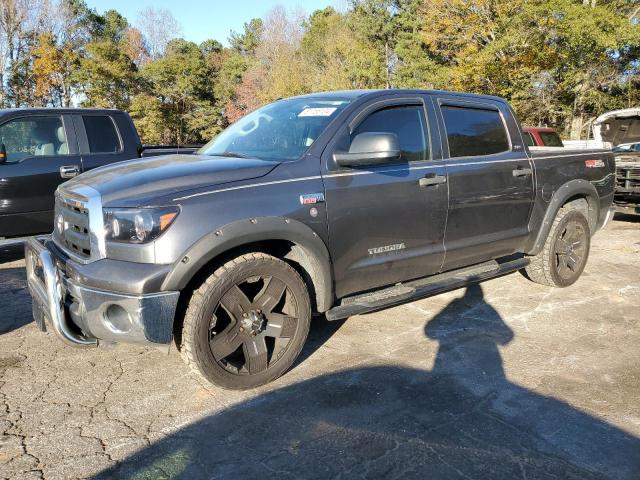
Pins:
<point x="385" y="225"/>
<point x="41" y="153"/>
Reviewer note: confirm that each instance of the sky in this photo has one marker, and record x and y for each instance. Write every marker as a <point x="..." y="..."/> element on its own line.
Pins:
<point x="202" y="19"/>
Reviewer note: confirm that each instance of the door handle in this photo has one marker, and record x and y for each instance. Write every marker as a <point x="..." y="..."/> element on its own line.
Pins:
<point x="432" y="180"/>
<point x="69" y="171"/>
<point x="522" y="172"/>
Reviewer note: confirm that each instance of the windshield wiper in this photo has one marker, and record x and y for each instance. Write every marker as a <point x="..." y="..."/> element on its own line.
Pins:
<point x="231" y="155"/>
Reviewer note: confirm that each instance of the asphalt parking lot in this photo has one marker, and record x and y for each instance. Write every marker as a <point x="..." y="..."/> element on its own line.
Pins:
<point x="506" y="380"/>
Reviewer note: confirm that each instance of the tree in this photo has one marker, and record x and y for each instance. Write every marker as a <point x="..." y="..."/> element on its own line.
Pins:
<point x="19" y="24"/>
<point x="111" y="27"/>
<point x="335" y="57"/>
<point x="248" y="40"/>
<point x="416" y="65"/>
<point x="47" y="70"/>
<point x="560" y="62"/>
<point x="180" y="92"/>
<point x="372" y="21"/>
<point x="149" y="115"/>
<point x="233" y="65"/>
<point x="158" y="27"/>
<point x="135" y="47"/>
<point x="71" y="24"/>
<point x="276" y="69"/>
<point x="107" y="76"/>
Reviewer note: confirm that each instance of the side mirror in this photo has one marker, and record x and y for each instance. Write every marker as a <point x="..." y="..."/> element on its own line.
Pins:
<point x="370" y="148"/>
<point x="3" y="153"/>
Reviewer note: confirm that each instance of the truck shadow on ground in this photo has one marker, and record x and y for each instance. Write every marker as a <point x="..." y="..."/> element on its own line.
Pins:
<point x="15" y="302"/>
<point x="462" y="419"/>
<point x="626" y="217"/>
<point x="11" y="253"/>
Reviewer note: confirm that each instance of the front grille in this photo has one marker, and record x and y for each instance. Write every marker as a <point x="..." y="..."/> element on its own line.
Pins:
<point x="71" y="225"/>
<point x="628" y="179"/>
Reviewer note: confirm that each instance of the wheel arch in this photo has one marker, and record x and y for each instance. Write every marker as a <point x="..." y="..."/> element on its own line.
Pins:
<point x="582" y="195"/>
<point x="288" y="239"/>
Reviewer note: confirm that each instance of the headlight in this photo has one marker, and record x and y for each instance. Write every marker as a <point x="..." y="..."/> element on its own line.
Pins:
<point x="137" y="225"/>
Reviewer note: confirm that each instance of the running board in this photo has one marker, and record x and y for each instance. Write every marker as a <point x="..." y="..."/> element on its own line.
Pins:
<point x="422" y="288"/>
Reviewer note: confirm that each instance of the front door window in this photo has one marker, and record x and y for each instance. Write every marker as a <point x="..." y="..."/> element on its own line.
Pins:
<point x="407" y="122"/>
<point x="34" y="137"/>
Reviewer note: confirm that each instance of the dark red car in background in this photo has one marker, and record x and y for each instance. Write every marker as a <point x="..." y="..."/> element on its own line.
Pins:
<point x="541" y="137"/>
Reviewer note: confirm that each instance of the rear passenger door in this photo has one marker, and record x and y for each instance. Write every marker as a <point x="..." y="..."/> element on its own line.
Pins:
<point x="384" y="227"/>
<point x="99" y="140"/>
<point x="490" y="181"/>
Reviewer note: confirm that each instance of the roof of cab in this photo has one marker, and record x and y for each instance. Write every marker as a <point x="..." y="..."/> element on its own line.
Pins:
<point x="59" y="110"/>
<point x="353" y="94"/>
<point x="539" y="129"/>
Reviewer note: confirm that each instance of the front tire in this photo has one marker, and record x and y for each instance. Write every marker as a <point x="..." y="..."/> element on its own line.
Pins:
<point x="565" y="252"/>
<point x="247" y="323"/>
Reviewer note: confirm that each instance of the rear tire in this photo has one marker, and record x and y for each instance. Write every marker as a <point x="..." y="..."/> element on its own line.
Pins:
<point x="565" y="251"/>
<point x="247" y="323"/>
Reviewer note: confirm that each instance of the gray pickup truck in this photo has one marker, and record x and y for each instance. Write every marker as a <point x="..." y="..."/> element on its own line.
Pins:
<point x="336" y="203"/>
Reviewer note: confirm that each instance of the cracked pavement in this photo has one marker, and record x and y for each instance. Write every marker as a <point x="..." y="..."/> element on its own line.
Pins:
<point x="507" y="380"/>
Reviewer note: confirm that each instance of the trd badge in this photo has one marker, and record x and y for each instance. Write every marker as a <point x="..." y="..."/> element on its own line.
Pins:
<point x="311" y="198"/>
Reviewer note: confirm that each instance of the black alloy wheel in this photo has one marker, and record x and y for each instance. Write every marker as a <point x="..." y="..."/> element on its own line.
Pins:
<point x="570" y="250"/>
<point x="565" y="251"/>
<point x="247" y="323"/>
<point x="253" y="324"/>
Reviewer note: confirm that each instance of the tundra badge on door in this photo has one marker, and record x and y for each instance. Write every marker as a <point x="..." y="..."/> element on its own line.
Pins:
<point x="387" y="248"/>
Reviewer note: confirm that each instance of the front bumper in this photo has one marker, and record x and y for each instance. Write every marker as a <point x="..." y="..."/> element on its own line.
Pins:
<point x="83" y="316"/>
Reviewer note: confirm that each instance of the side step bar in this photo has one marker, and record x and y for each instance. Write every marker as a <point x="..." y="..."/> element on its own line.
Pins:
<point x="19" y="242"/>
<point x="423" y="288"/>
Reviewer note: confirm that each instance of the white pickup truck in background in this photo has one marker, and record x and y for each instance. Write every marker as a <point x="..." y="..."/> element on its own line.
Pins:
<point x="620" y="130"/>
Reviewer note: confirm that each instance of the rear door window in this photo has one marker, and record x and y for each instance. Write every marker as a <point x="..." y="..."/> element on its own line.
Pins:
<point x="407" y="122"/>
<point x="474" y="131"/>
<point x="101" y="134"/>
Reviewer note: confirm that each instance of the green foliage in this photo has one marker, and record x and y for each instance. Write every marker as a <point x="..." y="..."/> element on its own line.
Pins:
<point x="179" y="96"/>
<point x="416" y="65"/>
<point x="560" y="62"/>
<point x="246" y="42"/>
<point x="107" y="76"/>
<point x="338" y="57"/>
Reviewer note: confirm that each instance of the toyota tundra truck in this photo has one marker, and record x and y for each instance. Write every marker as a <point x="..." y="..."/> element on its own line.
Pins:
<point x="333" y="204"/>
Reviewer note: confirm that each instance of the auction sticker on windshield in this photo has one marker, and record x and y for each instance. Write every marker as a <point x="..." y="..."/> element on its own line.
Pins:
<point x="317" y="112"/>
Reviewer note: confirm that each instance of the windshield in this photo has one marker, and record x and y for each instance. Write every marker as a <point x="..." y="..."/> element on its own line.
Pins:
<point x="633" y="147"/>
<point x="283" y="130"/>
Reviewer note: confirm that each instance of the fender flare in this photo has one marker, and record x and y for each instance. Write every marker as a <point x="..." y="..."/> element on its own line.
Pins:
<point x="559" y="198"/>
<point x="313" y="254"/>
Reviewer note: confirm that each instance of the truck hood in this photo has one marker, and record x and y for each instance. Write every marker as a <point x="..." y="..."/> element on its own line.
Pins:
<point x="139" y="182"/>
<point x="618" y="127"/>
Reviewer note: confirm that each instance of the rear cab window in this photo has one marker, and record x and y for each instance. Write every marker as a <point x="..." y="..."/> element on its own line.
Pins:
<point x="551" y="139"/>
<point x="102" y="135"/>
<point x="474" y="131"/>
